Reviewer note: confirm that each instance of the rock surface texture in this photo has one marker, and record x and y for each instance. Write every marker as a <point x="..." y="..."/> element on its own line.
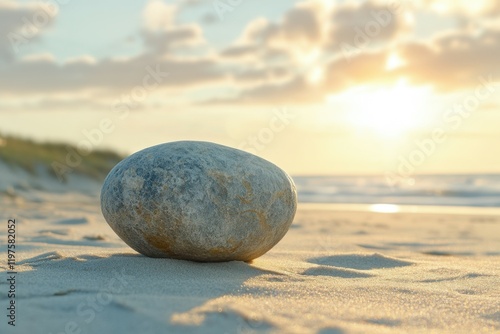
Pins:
<point x="198" y="201"/>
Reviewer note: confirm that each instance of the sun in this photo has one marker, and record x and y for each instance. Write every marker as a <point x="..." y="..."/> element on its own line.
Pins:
<point x="387" y="111"/>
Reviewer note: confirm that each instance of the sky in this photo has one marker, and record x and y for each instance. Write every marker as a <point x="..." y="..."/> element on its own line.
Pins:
<point x="397" y="88"/>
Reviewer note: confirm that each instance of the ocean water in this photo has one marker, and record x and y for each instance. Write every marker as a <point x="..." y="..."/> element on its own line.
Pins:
<point x="439" y="190"/>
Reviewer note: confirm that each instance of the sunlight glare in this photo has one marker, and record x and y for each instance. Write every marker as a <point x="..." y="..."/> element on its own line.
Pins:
<point x="309" y="57"/>
<point x="387" y="111"/>
<point x="385" y="208"/>
<point x="316" y="75"/>
<point x="474" y="7"/>
<point x="394" y="61"/>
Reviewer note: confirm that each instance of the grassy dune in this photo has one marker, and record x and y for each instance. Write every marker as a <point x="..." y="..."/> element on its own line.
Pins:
<point x="30" y="155"/>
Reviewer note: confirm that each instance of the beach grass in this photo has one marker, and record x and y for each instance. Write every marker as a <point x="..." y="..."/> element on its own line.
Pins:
<point x="31" y="155"/>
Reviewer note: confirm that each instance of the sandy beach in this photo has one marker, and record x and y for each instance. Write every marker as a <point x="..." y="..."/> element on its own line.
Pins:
<point x="136" y="132"/>
<point x="338" y="270"/>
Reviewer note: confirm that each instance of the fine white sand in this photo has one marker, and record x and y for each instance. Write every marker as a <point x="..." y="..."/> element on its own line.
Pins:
<point x="336" y="271"/>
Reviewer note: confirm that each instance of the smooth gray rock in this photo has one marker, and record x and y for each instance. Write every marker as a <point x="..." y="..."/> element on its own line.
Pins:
<point x="198" y="201"/>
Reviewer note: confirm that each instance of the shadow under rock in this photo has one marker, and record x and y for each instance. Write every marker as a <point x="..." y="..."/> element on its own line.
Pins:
<point x="147" y="291"/>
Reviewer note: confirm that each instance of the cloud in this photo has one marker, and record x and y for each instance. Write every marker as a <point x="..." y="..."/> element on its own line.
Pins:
<point x="173" y="38"/>
<point x="375" y="22"/>
<point x="162" y="33"/>
<point x="449" y="62"/>
<point x="300" y="40"/>
<point x="295" y="90"/>
<point x="262" y="63"/>
<point x="300" y="25"/>
<point x="237" y="51"/>
<point x="316" y="23"/>
<point x="453" y="61"/>
<point x="337" y="76"/>
<point x="158" y="15"/>
<point x="162" y="36"/>
<point x="262" y="75"/>
<point x="295" y="58"/>
<point x="57" y="104"/>
<point x="21" y="23"/>
<point x="109" y="75"/>
<point x="475" y="8"/>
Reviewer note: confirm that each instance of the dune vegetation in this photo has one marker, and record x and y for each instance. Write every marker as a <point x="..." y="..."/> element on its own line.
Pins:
<point x="31" y="155"/>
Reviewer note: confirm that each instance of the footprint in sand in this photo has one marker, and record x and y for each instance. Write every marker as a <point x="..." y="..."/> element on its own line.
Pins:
<point x="55" y="231"/>
<point x="331" y="330"/>
<point x="42" y="258"/>
<point x="351" y="265"/>
<point x="335" y="272"/>
<point x="73" y="221"/>
<point x="360" y="261"/>
<point x="53" y="256"/>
